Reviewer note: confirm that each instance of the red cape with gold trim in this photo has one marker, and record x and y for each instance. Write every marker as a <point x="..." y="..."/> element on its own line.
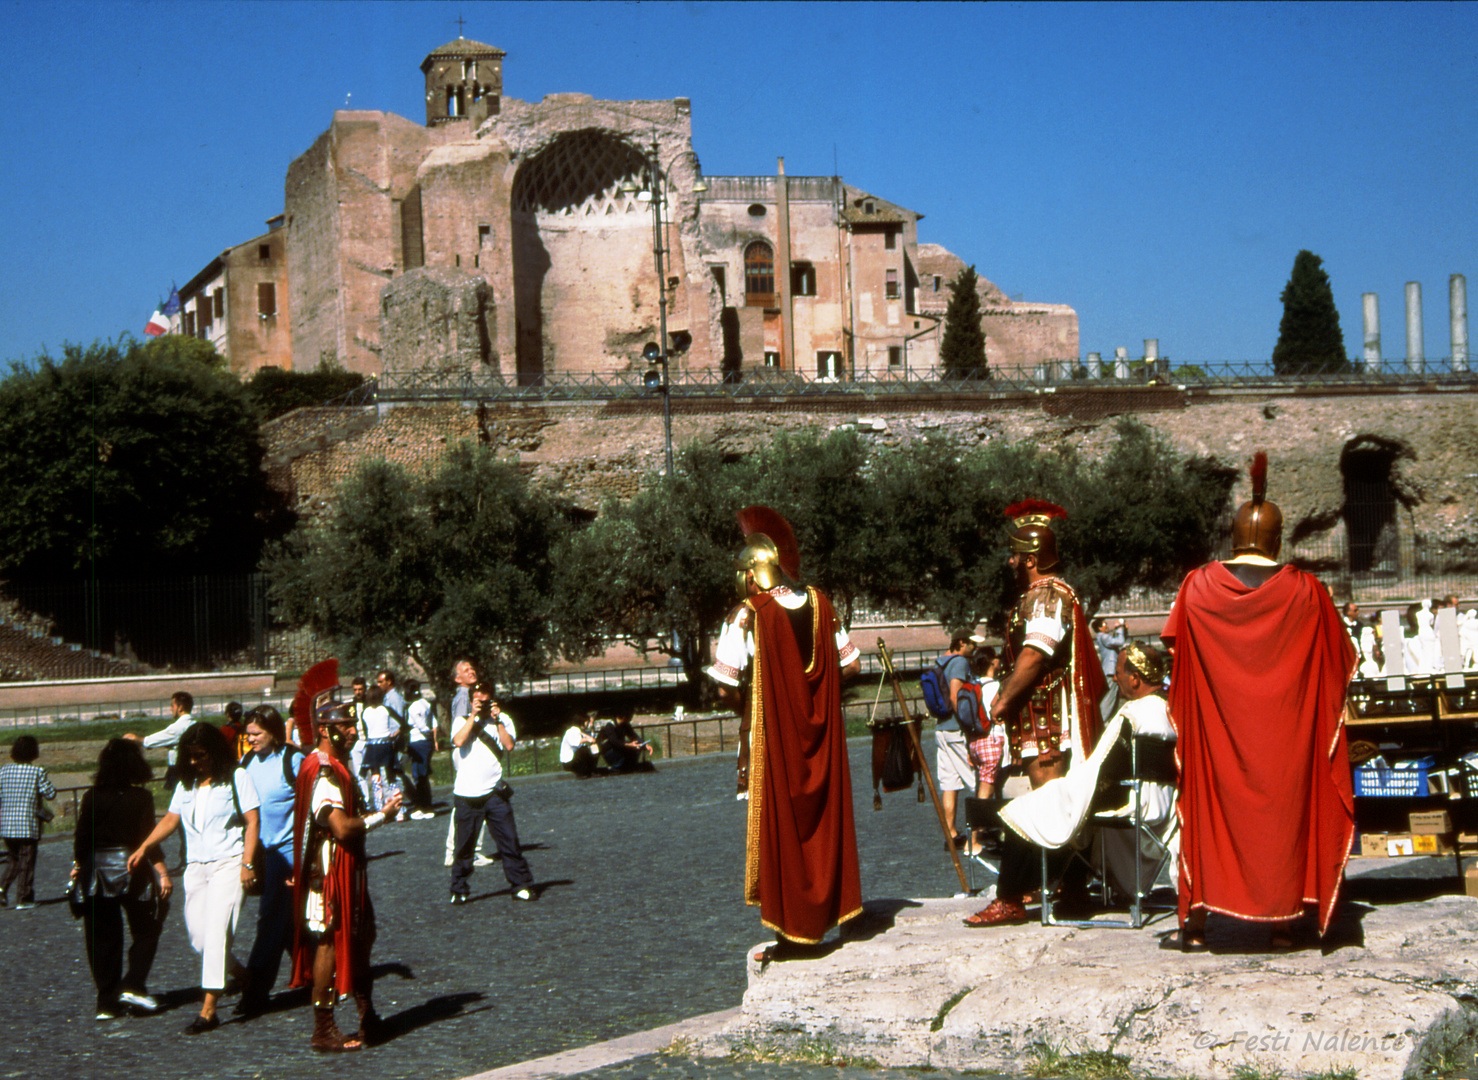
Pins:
<point x="801" y="851"/>
<point x="351" y="919"/>
<point x="1257" y="698"/>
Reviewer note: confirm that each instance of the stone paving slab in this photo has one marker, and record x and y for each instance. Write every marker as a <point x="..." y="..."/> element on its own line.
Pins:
<point x="1391" y="993"/>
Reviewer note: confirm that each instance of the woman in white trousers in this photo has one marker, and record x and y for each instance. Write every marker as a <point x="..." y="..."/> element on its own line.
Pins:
<point x="217" y="804"/>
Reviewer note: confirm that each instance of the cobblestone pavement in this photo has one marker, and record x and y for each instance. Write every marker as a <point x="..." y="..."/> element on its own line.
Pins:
<point x="641" y="922"/>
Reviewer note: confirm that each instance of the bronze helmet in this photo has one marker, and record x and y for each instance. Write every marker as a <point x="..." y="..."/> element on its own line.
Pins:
<point x="1258" y="526"/>
<point x="1031" y="533"/>
<point x="770" y="551"/>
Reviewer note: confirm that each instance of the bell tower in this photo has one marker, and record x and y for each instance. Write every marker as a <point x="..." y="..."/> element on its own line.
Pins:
<point x="464" y="81"/>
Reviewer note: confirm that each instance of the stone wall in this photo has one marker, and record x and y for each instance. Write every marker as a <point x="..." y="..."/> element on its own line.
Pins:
<point x="594" y="452"/>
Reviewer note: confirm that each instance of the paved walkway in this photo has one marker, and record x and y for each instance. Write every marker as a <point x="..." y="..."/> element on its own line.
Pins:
<point x="641" y="923"/>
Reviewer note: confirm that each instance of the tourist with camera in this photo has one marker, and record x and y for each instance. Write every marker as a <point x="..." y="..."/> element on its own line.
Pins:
<point x="481" y="794"/>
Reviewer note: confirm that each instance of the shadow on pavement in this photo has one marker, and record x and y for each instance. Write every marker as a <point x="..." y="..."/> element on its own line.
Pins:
<point x="436" y="1009"/>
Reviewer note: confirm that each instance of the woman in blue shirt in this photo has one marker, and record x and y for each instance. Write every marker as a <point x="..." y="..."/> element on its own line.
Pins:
<point x="273" y="765"/>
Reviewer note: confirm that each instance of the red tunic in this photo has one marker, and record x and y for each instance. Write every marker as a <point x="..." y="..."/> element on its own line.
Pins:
<point x="800" y="863"/>
<point x="345" y="883"/>
<point x="1257" y="698"/>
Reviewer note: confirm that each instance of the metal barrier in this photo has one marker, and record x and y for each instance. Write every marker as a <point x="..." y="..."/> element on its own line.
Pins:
<point x="1051" y="376"/>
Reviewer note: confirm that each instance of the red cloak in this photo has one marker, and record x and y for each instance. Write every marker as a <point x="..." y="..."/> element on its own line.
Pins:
<point x="1257" y="698"/>
<point x="350" y="918"/>
<point x="800" y="863"/>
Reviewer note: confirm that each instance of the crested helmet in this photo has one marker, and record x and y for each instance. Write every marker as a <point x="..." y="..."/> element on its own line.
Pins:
<point x="1031" y="530"/>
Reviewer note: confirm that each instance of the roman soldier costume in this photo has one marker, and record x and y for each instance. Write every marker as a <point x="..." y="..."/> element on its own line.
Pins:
<point x="784" y="650"/>
<point x="1062" y="711"/>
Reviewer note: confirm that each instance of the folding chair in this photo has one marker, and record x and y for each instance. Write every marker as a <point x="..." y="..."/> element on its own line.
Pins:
<point x="1151" y="760"/>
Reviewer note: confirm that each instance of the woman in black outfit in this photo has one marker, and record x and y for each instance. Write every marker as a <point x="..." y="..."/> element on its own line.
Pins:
<point x="117" y="815"/>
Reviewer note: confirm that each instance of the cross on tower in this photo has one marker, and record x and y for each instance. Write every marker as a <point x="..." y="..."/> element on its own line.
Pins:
<point x="461" y="22"/>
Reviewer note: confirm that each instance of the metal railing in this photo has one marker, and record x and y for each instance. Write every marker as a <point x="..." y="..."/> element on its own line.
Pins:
<point x="1051" y="376"/>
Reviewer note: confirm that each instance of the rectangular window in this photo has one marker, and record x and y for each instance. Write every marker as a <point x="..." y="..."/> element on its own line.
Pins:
<point x="189" y="324"/>
<point x="890" y="239"/>
<point x="891" y="291"/>
<point x="802" y="279"/>
<point x="772" y="359"/>
<point x="202" y="312"/>
<point x="266" y="299"/>
<point x="895" y="355"/>
<point x="218" y="301"/>
<point x="828" y="364"/>
<point x="264" y="252"/>
<point x="484" y="235"/>
<point x="936" y="282"/>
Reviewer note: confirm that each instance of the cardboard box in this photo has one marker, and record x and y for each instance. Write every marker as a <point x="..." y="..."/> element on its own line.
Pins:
<point x="1470" y="881"/>
<point x="1400" y="844"/>
<point x="1373" y="845"/>
<point x="1430" y="844"/>
<point x="1430" y="822"/>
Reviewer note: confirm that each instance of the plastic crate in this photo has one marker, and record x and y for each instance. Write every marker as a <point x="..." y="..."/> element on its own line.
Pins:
<point x="1408" y="779"/>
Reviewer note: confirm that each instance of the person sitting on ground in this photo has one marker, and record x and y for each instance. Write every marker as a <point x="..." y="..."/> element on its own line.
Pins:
<point x="577" y="750"/>
<point x="623" y="749"/>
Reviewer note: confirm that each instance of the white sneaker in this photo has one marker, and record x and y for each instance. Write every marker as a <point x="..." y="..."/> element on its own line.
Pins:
<point x="421" y="815"/>
<point x="482" y="860"/>
<point x="139" y="1001"/>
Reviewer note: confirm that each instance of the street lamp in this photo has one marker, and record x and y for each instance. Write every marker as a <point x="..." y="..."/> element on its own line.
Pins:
<point x="657" y="376"/>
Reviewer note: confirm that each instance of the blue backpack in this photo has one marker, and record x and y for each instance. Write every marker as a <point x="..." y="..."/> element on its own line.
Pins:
<point x="936" y="693"/>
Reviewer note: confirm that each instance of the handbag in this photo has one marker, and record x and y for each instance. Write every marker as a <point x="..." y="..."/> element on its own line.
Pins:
<point x="44" y="813"/>
<point x="76" y="897"/>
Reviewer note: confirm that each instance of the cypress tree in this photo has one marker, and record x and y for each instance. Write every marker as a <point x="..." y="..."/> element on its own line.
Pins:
<point x="962" y="352"/>
<point x="1310" y="341"/>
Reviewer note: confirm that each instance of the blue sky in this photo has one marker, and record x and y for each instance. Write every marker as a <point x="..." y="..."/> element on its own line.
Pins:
<point x="1157" y="167"/>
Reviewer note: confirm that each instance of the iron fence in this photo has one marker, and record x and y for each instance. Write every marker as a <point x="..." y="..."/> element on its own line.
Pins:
<point x="1051" y="376"/>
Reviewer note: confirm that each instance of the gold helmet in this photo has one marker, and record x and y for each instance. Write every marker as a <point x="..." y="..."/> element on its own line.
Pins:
<point x="1031" y="530"/>
<point x="770" y="553"/>
<point x="1257" y="531"/>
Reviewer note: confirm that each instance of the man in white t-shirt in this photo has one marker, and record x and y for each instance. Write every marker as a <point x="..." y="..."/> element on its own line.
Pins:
<point x="480" y="794"/>
<point x="577" y="749"/>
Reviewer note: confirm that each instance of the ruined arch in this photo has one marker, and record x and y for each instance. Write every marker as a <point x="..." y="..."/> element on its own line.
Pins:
<point x="582" y="250"/>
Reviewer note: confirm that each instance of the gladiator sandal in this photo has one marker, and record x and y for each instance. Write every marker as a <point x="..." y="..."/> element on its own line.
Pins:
<point x="370" y="1024"/>
<point x="327" y="1037"/>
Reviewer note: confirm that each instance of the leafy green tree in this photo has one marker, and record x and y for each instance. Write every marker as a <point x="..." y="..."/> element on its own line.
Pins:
<point x="273" y="391"/>
<point x="457" y="564"/>
<point x="130" y="460"/>
<point x="1310" y="341"/>
<point x="658" y="568"/>
<point x="1142" y="516"/>
<point x="962" y="351"/>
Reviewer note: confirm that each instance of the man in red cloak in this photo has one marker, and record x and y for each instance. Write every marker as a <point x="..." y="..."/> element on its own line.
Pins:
<point x="335" y="924"/>
<point x="1257" y="698"/>
<point x="780" y="663"/>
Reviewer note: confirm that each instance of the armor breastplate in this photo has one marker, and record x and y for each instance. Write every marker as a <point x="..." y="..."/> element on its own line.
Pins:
<point x="1041" y="720"/>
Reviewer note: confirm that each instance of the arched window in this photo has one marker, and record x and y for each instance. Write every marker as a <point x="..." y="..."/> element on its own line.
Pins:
<point x="759" y="275"/>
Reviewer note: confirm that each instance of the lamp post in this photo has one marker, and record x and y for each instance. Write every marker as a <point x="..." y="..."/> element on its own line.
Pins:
<point x="657" y="353"/>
